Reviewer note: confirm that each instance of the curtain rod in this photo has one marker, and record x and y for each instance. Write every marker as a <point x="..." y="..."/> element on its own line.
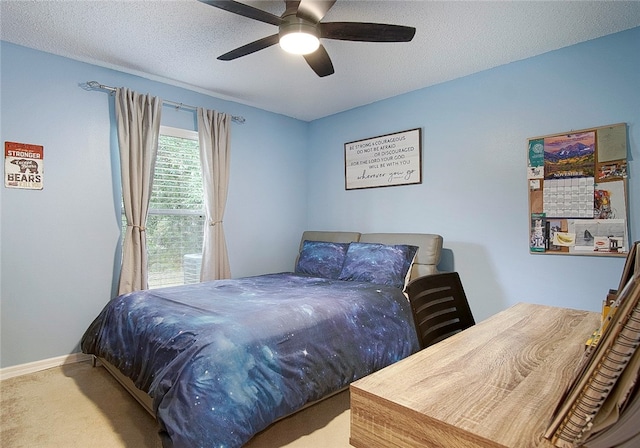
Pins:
<point x="95" y="85"/>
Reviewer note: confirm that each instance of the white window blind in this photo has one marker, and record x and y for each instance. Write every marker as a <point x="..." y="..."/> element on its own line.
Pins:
<point x="176" y="211"/>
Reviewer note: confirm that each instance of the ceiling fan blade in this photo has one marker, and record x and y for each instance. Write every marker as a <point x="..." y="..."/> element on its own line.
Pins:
<point x="366" y="32"/>
<point x="314" y="10"/>
<point x="244" y="10"/>
<point x="320" y="62"/>
<point x="250" y="48"/>
<point x="291" y="7"/>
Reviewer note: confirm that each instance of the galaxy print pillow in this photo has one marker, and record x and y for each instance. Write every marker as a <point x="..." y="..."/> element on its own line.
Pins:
<point x="378" y="263"/>
<point x="321" y="259"/>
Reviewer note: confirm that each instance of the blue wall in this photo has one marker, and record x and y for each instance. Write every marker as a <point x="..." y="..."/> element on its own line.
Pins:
<point x="474" y="191"/>
<point x="60" y="245"/>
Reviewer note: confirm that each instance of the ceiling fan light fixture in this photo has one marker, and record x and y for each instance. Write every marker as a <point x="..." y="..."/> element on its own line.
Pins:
<point x="299" y="38"/>
<point x="300" y="28"/>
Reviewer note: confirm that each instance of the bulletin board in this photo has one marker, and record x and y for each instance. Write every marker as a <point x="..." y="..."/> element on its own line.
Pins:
<point x="578" y="192"/>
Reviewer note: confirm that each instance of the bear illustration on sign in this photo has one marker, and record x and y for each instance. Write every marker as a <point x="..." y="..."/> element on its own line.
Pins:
<point x="26" y="164"/>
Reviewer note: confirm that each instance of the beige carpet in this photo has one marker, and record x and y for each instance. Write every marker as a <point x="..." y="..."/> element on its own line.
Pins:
<point x="81" y="406"/>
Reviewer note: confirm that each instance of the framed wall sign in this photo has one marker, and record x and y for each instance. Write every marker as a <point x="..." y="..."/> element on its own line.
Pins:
<point x="23" y="165"/>
<point x="384" y="161"/>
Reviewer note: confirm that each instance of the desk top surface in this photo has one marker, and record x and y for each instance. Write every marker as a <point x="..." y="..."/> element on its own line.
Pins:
<point x="499" y="380"/>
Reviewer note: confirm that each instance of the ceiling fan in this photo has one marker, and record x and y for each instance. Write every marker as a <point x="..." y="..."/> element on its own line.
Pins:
<point x="300" y="28"/>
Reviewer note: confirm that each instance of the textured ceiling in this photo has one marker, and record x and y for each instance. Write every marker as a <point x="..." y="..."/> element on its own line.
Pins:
<point x="178" y="41"/>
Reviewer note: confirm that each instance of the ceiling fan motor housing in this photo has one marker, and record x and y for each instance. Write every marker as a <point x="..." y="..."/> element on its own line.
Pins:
<point x="294" y="24"/>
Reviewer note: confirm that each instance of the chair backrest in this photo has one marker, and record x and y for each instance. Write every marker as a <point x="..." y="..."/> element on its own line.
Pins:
<point x="440" y="307"/>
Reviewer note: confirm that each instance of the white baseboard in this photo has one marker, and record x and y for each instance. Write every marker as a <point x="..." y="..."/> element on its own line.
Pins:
<point x="36" y="366"/>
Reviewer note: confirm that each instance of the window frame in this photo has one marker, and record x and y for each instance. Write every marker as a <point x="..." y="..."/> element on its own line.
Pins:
<point x="182" y="134"/>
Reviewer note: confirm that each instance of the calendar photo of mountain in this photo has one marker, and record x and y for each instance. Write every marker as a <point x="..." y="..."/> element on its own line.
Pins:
<point x="568" y="156"/>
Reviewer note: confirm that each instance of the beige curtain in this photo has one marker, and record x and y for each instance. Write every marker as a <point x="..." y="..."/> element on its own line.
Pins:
<point x="214" y="137"/>
<point x="138" y="119"/>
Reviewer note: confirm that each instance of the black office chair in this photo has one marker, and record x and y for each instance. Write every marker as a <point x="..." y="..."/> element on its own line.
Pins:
<point x="440" y="307"/>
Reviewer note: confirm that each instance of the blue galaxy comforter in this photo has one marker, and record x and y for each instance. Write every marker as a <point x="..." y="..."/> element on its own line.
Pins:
<point x="223" y="360"/>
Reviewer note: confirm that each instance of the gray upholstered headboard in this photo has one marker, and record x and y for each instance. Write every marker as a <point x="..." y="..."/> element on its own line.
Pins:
<point x="427" y="258"/>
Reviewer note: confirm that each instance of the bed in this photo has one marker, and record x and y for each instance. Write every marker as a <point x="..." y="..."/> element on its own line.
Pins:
<point x="218" y="362"/>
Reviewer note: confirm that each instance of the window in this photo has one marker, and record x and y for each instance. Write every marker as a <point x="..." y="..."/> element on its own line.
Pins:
<point x="176" y="211"/>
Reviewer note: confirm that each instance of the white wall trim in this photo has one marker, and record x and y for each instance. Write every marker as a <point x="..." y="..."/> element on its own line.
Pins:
<point x="36" y="366"/>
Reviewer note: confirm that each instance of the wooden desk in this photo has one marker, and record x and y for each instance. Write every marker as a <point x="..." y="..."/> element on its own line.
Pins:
<point x="493" y="385"/>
